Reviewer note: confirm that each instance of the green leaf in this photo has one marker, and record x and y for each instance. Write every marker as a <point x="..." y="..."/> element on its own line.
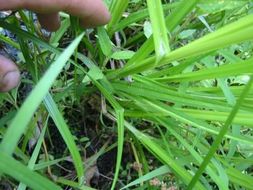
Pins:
<point x="66" y="135"/>
<point x="117" y="8"/>
<point x="104" y="41"/>
<point x="160" y="34"/>
<point x="19" y="123"/>
<point x="119" y="55"/>
<point x="227" y="70"/>
<point x="161" y="154"/>
<point x="15" y="169"/>
<point x="107" y="91"/>
<point x="157" y="172"/>
<point x="219" y="138"/>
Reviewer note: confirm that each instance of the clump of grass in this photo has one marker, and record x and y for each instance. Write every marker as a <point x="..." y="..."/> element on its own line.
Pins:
<point x="165" y="89"/>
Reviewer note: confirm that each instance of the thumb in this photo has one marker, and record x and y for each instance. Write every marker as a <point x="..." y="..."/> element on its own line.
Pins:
<point x="9" y="74"/>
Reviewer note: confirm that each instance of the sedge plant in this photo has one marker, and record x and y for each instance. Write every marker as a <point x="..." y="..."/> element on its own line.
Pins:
<point x="170" y="83"/>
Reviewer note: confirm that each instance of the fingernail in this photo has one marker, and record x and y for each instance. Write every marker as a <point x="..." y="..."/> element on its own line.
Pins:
<point x="9" y="81"/>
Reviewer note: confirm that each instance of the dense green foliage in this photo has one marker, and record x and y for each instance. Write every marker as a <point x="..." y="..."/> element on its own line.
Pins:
<point x="166" y="86"/>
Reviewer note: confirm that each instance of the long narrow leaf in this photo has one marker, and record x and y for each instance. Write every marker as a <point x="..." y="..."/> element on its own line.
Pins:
<point x="66" y="135"/>
<point x="160" y="34"/>
<point x="19" y="123"/>
<point x="219" y="138"/>
<point x="15" y="169"/>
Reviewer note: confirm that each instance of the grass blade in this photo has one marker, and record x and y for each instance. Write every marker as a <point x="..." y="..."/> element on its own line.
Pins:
<point x="172" y="21"/>
<point x="120" y="124"/>
<point x="15" y="169"/>
<point x="19" y="123"/>
<point x="236" y="32"/>
<point x="159" y="171"/>
<point x="210" y="73"/>
<point x="156" y="149"/>
<point x="160" y="34"/>
<point x="220" y="136"/>
<point x="32" y="161"/>
<point x="117" y="8"/>
<point x="66" y="135"/>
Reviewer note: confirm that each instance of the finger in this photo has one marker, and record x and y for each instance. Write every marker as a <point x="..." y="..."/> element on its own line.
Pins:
<point x="10" y="5"/>
<point x="50" y="22"/>
<point x="9" y="74"/>
<point x="91" y="12"/>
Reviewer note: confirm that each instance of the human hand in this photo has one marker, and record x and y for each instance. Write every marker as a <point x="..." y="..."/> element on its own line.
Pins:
<point x="91" y="13"/>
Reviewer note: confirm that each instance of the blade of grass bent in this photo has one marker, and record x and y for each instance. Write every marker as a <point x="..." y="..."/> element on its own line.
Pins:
<point x="19" y="123"/>
<point x="15" y="169"/>
<point x="66" y="135"/>
<point x="222" y="133"/>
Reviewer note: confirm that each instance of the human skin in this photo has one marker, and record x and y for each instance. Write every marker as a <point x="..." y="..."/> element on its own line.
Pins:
<point x="91" y="13"/>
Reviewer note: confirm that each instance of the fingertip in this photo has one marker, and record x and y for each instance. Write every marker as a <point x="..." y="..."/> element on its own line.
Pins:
<point x="9" y="74"/>
<point x="106" y="17"/>
<point x="9" y="81"/>
<point x="92" y="21"/>
<point x="50" y="22"/>
<point x="92" y="13"/>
